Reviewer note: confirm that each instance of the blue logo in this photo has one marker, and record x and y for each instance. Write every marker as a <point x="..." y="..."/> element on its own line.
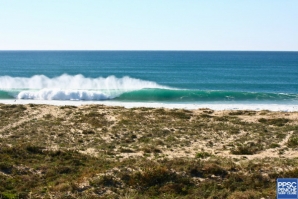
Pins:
<point x="286" y="188"/>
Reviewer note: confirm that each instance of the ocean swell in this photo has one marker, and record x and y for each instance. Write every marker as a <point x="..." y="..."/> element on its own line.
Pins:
<point x="175" y="95"/>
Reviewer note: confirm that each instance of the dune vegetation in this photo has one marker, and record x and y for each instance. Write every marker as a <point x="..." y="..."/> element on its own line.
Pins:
<point x="97" y="151"/>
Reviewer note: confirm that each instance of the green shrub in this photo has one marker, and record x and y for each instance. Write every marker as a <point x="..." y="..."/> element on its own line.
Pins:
<point x="156" y="177"/>
<point x="275" y="121"/>
<point x="247" y="149"/>
<point x="274" y="145"/>
<point x="293" y="141"/>
<point x="105" y="180"/>
<point x="203" y="155"/>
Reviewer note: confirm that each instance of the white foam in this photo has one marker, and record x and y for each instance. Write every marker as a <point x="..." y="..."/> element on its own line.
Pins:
<point x="58" y="94"/>
<point x="76" y="82"/>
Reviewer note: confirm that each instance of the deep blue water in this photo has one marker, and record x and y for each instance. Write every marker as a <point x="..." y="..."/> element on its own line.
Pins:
<point x="196" y="75"/>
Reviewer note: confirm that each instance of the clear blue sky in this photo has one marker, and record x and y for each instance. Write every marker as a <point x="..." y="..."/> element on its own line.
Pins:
<point x="149" y="25"/>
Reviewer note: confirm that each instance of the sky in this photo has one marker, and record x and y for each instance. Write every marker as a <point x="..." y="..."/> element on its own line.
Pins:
<point x="149" y="25"/>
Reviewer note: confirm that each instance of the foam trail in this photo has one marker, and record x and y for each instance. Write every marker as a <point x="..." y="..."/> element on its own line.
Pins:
<point x="76" y="82"/>
<point x="58" y="94"/>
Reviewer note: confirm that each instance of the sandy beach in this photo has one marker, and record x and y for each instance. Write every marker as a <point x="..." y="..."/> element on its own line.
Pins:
<point x="173" y="149"/>
<point x="283" y="107"/>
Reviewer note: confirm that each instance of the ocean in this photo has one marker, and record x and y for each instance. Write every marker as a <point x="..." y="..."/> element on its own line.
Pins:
<point x="181" y="79"/>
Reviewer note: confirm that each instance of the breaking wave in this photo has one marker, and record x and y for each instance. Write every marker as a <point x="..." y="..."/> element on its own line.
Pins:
<point x="78" y="87"/>
<point x="78" y="82"/>
<point x="67" y="87"/>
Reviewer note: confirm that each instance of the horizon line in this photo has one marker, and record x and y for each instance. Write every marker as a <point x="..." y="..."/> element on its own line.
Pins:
<point x="161" y="50"/>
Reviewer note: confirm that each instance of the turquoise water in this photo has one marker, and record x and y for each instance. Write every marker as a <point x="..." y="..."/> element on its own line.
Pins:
<point x="150" y="76"/>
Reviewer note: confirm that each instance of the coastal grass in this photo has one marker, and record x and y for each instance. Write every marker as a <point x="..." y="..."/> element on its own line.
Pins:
<point x="96" y="151"/>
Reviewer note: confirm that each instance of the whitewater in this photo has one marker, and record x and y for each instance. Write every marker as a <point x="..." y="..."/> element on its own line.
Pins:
<point x="67" y="87"/>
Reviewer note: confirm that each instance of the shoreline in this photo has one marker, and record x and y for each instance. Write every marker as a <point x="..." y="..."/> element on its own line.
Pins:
<point x="187" y="106"/>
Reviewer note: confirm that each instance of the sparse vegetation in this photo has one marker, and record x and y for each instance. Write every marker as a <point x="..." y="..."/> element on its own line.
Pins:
<point x="96" y="151"/>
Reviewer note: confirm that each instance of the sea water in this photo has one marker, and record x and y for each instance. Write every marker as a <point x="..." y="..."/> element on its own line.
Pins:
<point x="181" y="79"/>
